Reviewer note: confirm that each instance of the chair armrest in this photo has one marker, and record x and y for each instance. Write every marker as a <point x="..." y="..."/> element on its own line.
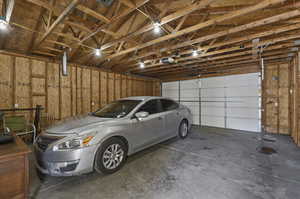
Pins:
<point x="30" y="127"/>
<point x="5" y="130"/>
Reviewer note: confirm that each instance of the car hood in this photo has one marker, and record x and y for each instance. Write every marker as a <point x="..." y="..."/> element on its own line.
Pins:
<point x="78" y="124"/>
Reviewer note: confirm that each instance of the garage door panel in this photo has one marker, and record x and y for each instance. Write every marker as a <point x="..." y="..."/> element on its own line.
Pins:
<point x="196" y="120"/>
<point x="188" y="84"/>
<point x="251" y="102"/>
<point x="242" y="124"/>
<point x="213" y="104"/>
<point x="212" y="99"/>
<point x="173" y="94"/>
<point x="242" y="91"/>
<point x="212" y="82"/>
<point x="242" y="80"/>
<point x="243" y="113"/>
<point x="189" y="95"/>
<point x="207" y="120"/>
<point x="194" y="107"/>
<point x="213" y="109"/>
<point x="213" y="92"/>
<point x="227" y="102"/>
<point x="170" y="85"/>
<point x="171" y="90"/>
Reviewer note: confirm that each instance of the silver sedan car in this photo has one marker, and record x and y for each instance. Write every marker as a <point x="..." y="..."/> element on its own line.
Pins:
<point x="102" y="140"/>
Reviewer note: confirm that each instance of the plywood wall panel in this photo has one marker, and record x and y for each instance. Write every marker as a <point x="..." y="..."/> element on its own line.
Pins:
<point x="29" y="82"/>
<point x="284" y="102"/>
<point x="73" y="89"/>
<point x="86" y="90"/>
<point x="134" y="91"/>
<point x="95" y="90"/>
<point x="129" y="86"/>
<point x="123" y="86"/>
<point x="157" y="88"/>
<point x="53" y="90"/>
<point x="140" y="87"/>
<point x="104" y="97"/>
<point x="276" y="99"/>
<point x="271" y="96"/>
<point x="23" y="84"/>
<point x="38" y="67"/>
<point x="65" y="95"/>
<point x="111" y="87"/>
<point x="38" y="85"/>
<point x="117" y="86"/>
<point x="6" y="81"/>
<point x="79" y="90"/>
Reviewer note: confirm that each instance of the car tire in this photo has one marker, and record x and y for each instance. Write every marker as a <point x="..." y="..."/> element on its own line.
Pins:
<point x="183" y="130"/>
<point x="111" y="156"/>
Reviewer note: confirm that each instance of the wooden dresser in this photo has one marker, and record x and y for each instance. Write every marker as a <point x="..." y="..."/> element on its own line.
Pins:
<point x="14" y="170"/>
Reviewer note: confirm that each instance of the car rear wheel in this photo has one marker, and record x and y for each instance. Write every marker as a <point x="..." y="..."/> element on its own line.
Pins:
<point x="111" y="156"/>
<point x="183" y="129"/>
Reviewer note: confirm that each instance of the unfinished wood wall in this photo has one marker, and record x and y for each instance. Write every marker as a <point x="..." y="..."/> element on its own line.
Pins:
<point x="276" y="98"/>
<point x="295" y="99"/>
<point x="27" y="82"/>
<point x="281" y="99"/>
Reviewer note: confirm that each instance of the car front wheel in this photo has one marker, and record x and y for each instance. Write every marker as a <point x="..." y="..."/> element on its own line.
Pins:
<point x="183" y="129"/>
<point x="111" y="156"/>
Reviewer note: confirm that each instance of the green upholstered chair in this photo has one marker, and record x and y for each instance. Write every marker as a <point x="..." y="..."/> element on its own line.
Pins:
<point x="18" y="125"/>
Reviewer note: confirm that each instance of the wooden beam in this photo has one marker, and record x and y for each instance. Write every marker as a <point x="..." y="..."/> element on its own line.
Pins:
<point x="228" y="68"/>
<point x="128" y="3"/>
<point x="93" y="13"/>
<point x="42" y="3"/>
<point x="208" y="23"/>
<point x="226" y="56"/>
<point x="220" y="64"/>
<point x="109" y="32"/>
<point x="58" y="43"/>
<point x="113" y="19"/>
<point x="229" y="50"/>
<point x="254" y="24"/>
<point x="44" y="53"/>
<point x="60" y="18"/>
<point x="78" y="26"/>
<point x="164" y="20"/>
<point x="249" y="69"/>
<point x="52" y="49"/>
<point x="181" y="22"/>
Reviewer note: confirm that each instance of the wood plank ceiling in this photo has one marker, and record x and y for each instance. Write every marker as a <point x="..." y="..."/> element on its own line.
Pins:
<point x="202" y="36"/>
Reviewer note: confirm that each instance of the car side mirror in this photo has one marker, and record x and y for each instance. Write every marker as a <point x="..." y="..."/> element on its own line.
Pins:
<point x="142" y="114"/>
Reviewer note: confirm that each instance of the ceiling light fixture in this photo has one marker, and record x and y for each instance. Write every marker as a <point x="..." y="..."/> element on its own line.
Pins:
<point x="156" y="27"/>
<point x="98" y="52"/>
<point x="3" y="23"/>
<point x="195" y="53"/>
<point x="142" y="64"/>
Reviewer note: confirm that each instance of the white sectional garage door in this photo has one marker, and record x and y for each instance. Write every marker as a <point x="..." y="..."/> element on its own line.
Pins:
<point x="228" y="102"/>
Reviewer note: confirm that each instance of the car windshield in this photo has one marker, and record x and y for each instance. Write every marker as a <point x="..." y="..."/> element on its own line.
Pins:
<point x="117" y="109"/>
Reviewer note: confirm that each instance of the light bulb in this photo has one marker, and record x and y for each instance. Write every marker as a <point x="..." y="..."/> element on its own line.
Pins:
<point x="98" y="52"/>
<point x="142" y="65"/>
<point x="195" y="53"/>
<point x="3" y="24"/>
<point x="156" y="27"/>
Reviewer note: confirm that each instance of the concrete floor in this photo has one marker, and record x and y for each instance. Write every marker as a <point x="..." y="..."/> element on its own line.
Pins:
<point x="211" y="163"/>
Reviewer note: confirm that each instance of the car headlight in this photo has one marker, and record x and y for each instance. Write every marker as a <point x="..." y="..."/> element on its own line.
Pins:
<point x="74" y="143"/>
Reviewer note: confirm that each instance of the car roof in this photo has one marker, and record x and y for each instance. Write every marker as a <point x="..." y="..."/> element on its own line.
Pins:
<point x="144" y="98"/>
